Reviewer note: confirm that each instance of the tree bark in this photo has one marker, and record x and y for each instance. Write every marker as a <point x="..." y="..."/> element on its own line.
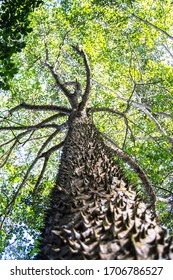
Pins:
<point x="94" y="213"/>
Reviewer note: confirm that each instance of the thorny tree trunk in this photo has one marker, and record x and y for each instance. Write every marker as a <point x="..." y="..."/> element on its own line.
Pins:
<point x="94" y="213"/>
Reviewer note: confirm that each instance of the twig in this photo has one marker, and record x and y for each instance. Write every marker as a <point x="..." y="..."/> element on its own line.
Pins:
<point x="161" y="188"/>
<point x="165" y="47"/>
<point x="63" y="42"/>
<point x="41" y="175"/>
<point x="28" y="129"/>
<point x="16" y="141"/>
<point x="136" y="104"/>
<point x="151" y="117"/>
<point x="11" y="140"/>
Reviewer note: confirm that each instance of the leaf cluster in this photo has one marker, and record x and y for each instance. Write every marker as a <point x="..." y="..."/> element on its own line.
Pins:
<point x="14" y="26"/>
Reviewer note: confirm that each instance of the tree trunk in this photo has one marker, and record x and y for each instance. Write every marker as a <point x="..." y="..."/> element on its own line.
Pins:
<point x="94" y="213"/>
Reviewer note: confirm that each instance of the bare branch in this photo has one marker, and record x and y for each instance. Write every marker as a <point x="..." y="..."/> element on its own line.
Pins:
<point x="52" y="150"/>
<point x="11" y="204"/>
<point x="9" y="141"/>
<point x="29" y="127"/>
<point x="8" y="154"/>
<point x="161" y="188"/>
<point x="105" y="109"/>
<point x="129" y="100"/>
<point x="21" y="135"/>
<point x="29" y="138"/>
<point x="85" y="97"/>
<point x="16" y="141"/>
<point x="26" y="106"/>
<point x="40" y="125"/>
<point x="60" y="85"/>
<point x="145" y="108"/>
<point x="41" y="175"/>
<point x="64" y="39"/>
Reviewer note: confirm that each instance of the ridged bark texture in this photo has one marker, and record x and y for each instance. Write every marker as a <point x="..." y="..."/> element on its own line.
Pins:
<point x="94" y="213"/>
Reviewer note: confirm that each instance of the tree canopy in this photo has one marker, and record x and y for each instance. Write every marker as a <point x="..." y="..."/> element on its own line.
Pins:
<point x="128" y="45"/>
<point x="14" y="25"/>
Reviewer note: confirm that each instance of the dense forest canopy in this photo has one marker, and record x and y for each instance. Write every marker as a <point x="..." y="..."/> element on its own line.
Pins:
<point x="129" y="49"/>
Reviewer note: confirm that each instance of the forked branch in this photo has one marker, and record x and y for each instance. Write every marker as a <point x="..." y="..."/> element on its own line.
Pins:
<point x="28" y="130"/>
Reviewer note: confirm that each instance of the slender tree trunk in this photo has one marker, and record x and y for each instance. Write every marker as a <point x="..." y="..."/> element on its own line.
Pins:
<point x="94" y="213"/>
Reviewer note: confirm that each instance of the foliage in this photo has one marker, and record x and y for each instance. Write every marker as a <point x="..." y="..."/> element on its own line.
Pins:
<point x="129" y="46"/>
<point x="14" y="26"/>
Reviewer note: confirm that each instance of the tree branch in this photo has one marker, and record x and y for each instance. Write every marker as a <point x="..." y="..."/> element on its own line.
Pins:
<point x="154" y="26"/>
<point x="11" y="204"/>
<point x="136" y="104"/>
<point x="16" y="141"/>
<point x="26" y="106"/>
<point x="121" y="114"/>
<point x="8" y="154"/>
<point x="21" y="135"/>
<point x="18" y="137"/>
<point x="85" y="97"/>
<point x="105" y="109"/>
<point x="29" y="127"/>
<point x="48" y="153"/>
<point x="46" y="156"/>
<point x="165" y="47"/>
<point x="60" y="85"/>
<point x="40" y="125"/>
<point x="145" y="108"/>
<point x="151" y="117"/>
<point x="41" y="175"/>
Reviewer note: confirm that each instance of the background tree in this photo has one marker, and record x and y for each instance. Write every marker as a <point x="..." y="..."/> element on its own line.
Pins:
<point x="129" y="49"/>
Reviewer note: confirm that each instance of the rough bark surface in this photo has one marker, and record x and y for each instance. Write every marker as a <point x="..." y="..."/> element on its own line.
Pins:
<point x="94" y="213"/>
